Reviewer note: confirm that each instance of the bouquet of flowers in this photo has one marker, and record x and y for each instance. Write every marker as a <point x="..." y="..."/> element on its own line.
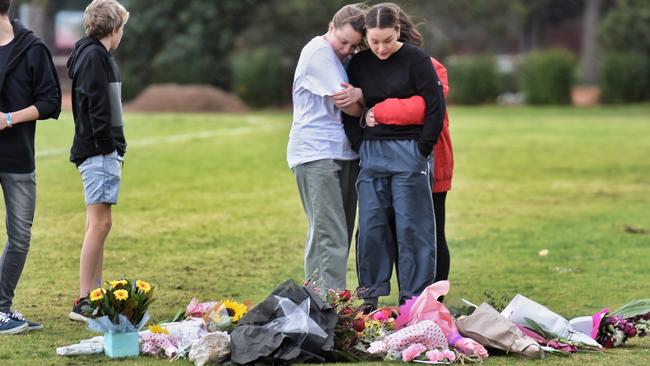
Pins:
<point x="630" y="320"/>
<point x="349" y="308"/>
<point x="224" y="315"/>
<point x="351" y="323"/>
<point x="377" y="325"/>
<point x="159" y="342"/>
<point x="218" y="315"/>
<point x="118" y="307"/>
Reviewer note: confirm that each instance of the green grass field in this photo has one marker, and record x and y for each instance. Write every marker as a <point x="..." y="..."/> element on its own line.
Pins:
<point x="208" y="208"/>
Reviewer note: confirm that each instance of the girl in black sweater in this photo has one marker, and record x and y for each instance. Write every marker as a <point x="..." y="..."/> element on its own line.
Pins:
<point x="396" y="223"/>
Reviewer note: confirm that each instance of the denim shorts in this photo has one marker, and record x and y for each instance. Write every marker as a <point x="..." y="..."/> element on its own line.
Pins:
<point x="101" y="176"/>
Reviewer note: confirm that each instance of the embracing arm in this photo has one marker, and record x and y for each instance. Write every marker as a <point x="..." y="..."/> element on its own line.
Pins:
<point x="430" y="88"/>
<point x="350" y="100"/>
<point x="408" y="111"/>
<point x="394" y="111"/>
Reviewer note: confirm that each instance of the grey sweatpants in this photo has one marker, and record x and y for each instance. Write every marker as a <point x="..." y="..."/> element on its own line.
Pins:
<point x="396" y="220"/>
<point x="329" y="198"/>
<point x="20" y="201"/>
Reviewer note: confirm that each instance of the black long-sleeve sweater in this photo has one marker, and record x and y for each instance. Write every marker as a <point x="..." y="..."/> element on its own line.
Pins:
<point x="405" y="73"/>
<point x="27" y="77"/>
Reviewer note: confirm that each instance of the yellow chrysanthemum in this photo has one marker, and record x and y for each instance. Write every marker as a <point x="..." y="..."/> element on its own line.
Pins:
<point x="97" y="294"/>
<point x="143" y="286"/>
<point x="155" y="328"/>
<point x="121" y="294"/>
<point x="114" y="284"/>
<point x="235" y="309"/>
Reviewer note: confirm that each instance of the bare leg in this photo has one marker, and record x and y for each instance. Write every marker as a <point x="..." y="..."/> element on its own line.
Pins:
<point x="98" y="225"/>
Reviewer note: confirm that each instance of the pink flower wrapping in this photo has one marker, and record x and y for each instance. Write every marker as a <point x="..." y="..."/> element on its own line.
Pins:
<point x="427" y="307"/>
<point x="413" y="351"/>
<point x="196" y="309"/>
<point x="449" y="355"/>
<point x="434" y="355"/>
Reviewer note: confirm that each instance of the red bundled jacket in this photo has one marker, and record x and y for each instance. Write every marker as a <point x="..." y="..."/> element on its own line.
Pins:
<point x="411" y="111"/>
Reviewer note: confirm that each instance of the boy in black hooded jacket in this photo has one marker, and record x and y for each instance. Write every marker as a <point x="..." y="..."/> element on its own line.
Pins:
<point x="99" y="144"/>
<point x="29" y="91"/>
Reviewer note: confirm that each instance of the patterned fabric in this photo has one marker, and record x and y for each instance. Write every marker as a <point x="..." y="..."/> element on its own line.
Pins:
<point x="426" y="333"/>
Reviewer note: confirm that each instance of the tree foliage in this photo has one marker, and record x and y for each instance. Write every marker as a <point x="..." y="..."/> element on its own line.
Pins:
<point x="627" y="27"/>
<point x="625" y="37"/>
<point x="181" y="41"/>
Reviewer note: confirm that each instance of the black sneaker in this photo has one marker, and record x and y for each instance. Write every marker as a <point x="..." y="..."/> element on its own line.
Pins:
<point x="76" y="313"/>
<point x="14" y="315"/>
<point x="10" y="326"/>
<point x="369" y="305"/>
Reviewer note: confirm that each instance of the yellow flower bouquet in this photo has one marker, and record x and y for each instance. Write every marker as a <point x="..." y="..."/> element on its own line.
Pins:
<point x="225" y="315"/>
<point x="120" y="306"/>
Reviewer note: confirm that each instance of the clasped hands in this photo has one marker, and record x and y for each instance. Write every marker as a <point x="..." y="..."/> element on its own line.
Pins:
<point x="350" y="95"/>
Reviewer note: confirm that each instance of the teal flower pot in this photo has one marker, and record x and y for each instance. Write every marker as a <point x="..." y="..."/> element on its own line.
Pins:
<point x="121" y="344"/>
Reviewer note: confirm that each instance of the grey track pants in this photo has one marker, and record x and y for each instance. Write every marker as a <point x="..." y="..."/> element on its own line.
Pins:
<point x="329" y="198"/>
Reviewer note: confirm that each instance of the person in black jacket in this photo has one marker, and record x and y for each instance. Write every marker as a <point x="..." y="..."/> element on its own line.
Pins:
<point x="29" y="91"/>
<point x="396" y="220"/>
<point x="99" y="145"/>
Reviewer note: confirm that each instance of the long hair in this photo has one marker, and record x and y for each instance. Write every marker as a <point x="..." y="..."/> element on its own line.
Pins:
<point x="390" y="15"/>
<point x="4" y="6"/>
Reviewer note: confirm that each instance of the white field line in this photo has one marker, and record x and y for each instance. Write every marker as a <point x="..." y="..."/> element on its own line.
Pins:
<point x="172" y="139"/>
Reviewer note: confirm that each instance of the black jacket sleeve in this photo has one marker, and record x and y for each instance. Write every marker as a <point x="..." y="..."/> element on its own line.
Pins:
<point x="92" y="85"/>
<point x="351" y="124"/>
<point x="353" y="131"/>
<point x="429" y="87"/>
<point x="45" y="83"/>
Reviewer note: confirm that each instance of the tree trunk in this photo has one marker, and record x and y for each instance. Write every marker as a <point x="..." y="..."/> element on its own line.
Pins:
<point x="589" y="47"/>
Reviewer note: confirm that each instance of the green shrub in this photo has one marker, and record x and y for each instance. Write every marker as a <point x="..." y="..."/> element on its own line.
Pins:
<point x="473" y="80"/>
<point x="262" y="76"/>
<point x="624" y="77"/>
<point x="547" y="77"/>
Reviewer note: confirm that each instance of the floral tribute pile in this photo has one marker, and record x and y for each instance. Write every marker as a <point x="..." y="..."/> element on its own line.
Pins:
<point x="362" y="335"/>
<point x="421" y="330"/>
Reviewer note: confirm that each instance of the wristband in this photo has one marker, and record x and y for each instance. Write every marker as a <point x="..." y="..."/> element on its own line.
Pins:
<point x="8" y="119"/>
<point x="362" y="119"/>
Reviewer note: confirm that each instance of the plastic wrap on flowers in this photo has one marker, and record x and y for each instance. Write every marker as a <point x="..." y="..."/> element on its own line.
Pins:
<point x="522" y="309"/>
<point x="293" y="324"/>
<point x="187" y="331"/>
<point x="196" y="309"/>
<point x="552" y="343"/>
<point x="213" y="347"/>
<point x="490" y="328"/>
<point x="427" y="307"/>
<point x="105" y="325"/>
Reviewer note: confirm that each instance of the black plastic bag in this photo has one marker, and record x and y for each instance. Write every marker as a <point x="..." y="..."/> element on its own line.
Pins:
<point x="293" y="324"/>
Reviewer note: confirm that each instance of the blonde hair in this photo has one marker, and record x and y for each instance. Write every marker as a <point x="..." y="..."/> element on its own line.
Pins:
<point x="103" y="17"/>
<point x="353" y="14"/>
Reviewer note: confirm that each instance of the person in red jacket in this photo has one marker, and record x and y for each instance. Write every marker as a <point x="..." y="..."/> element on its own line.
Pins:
<point x="407" y="111"/>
